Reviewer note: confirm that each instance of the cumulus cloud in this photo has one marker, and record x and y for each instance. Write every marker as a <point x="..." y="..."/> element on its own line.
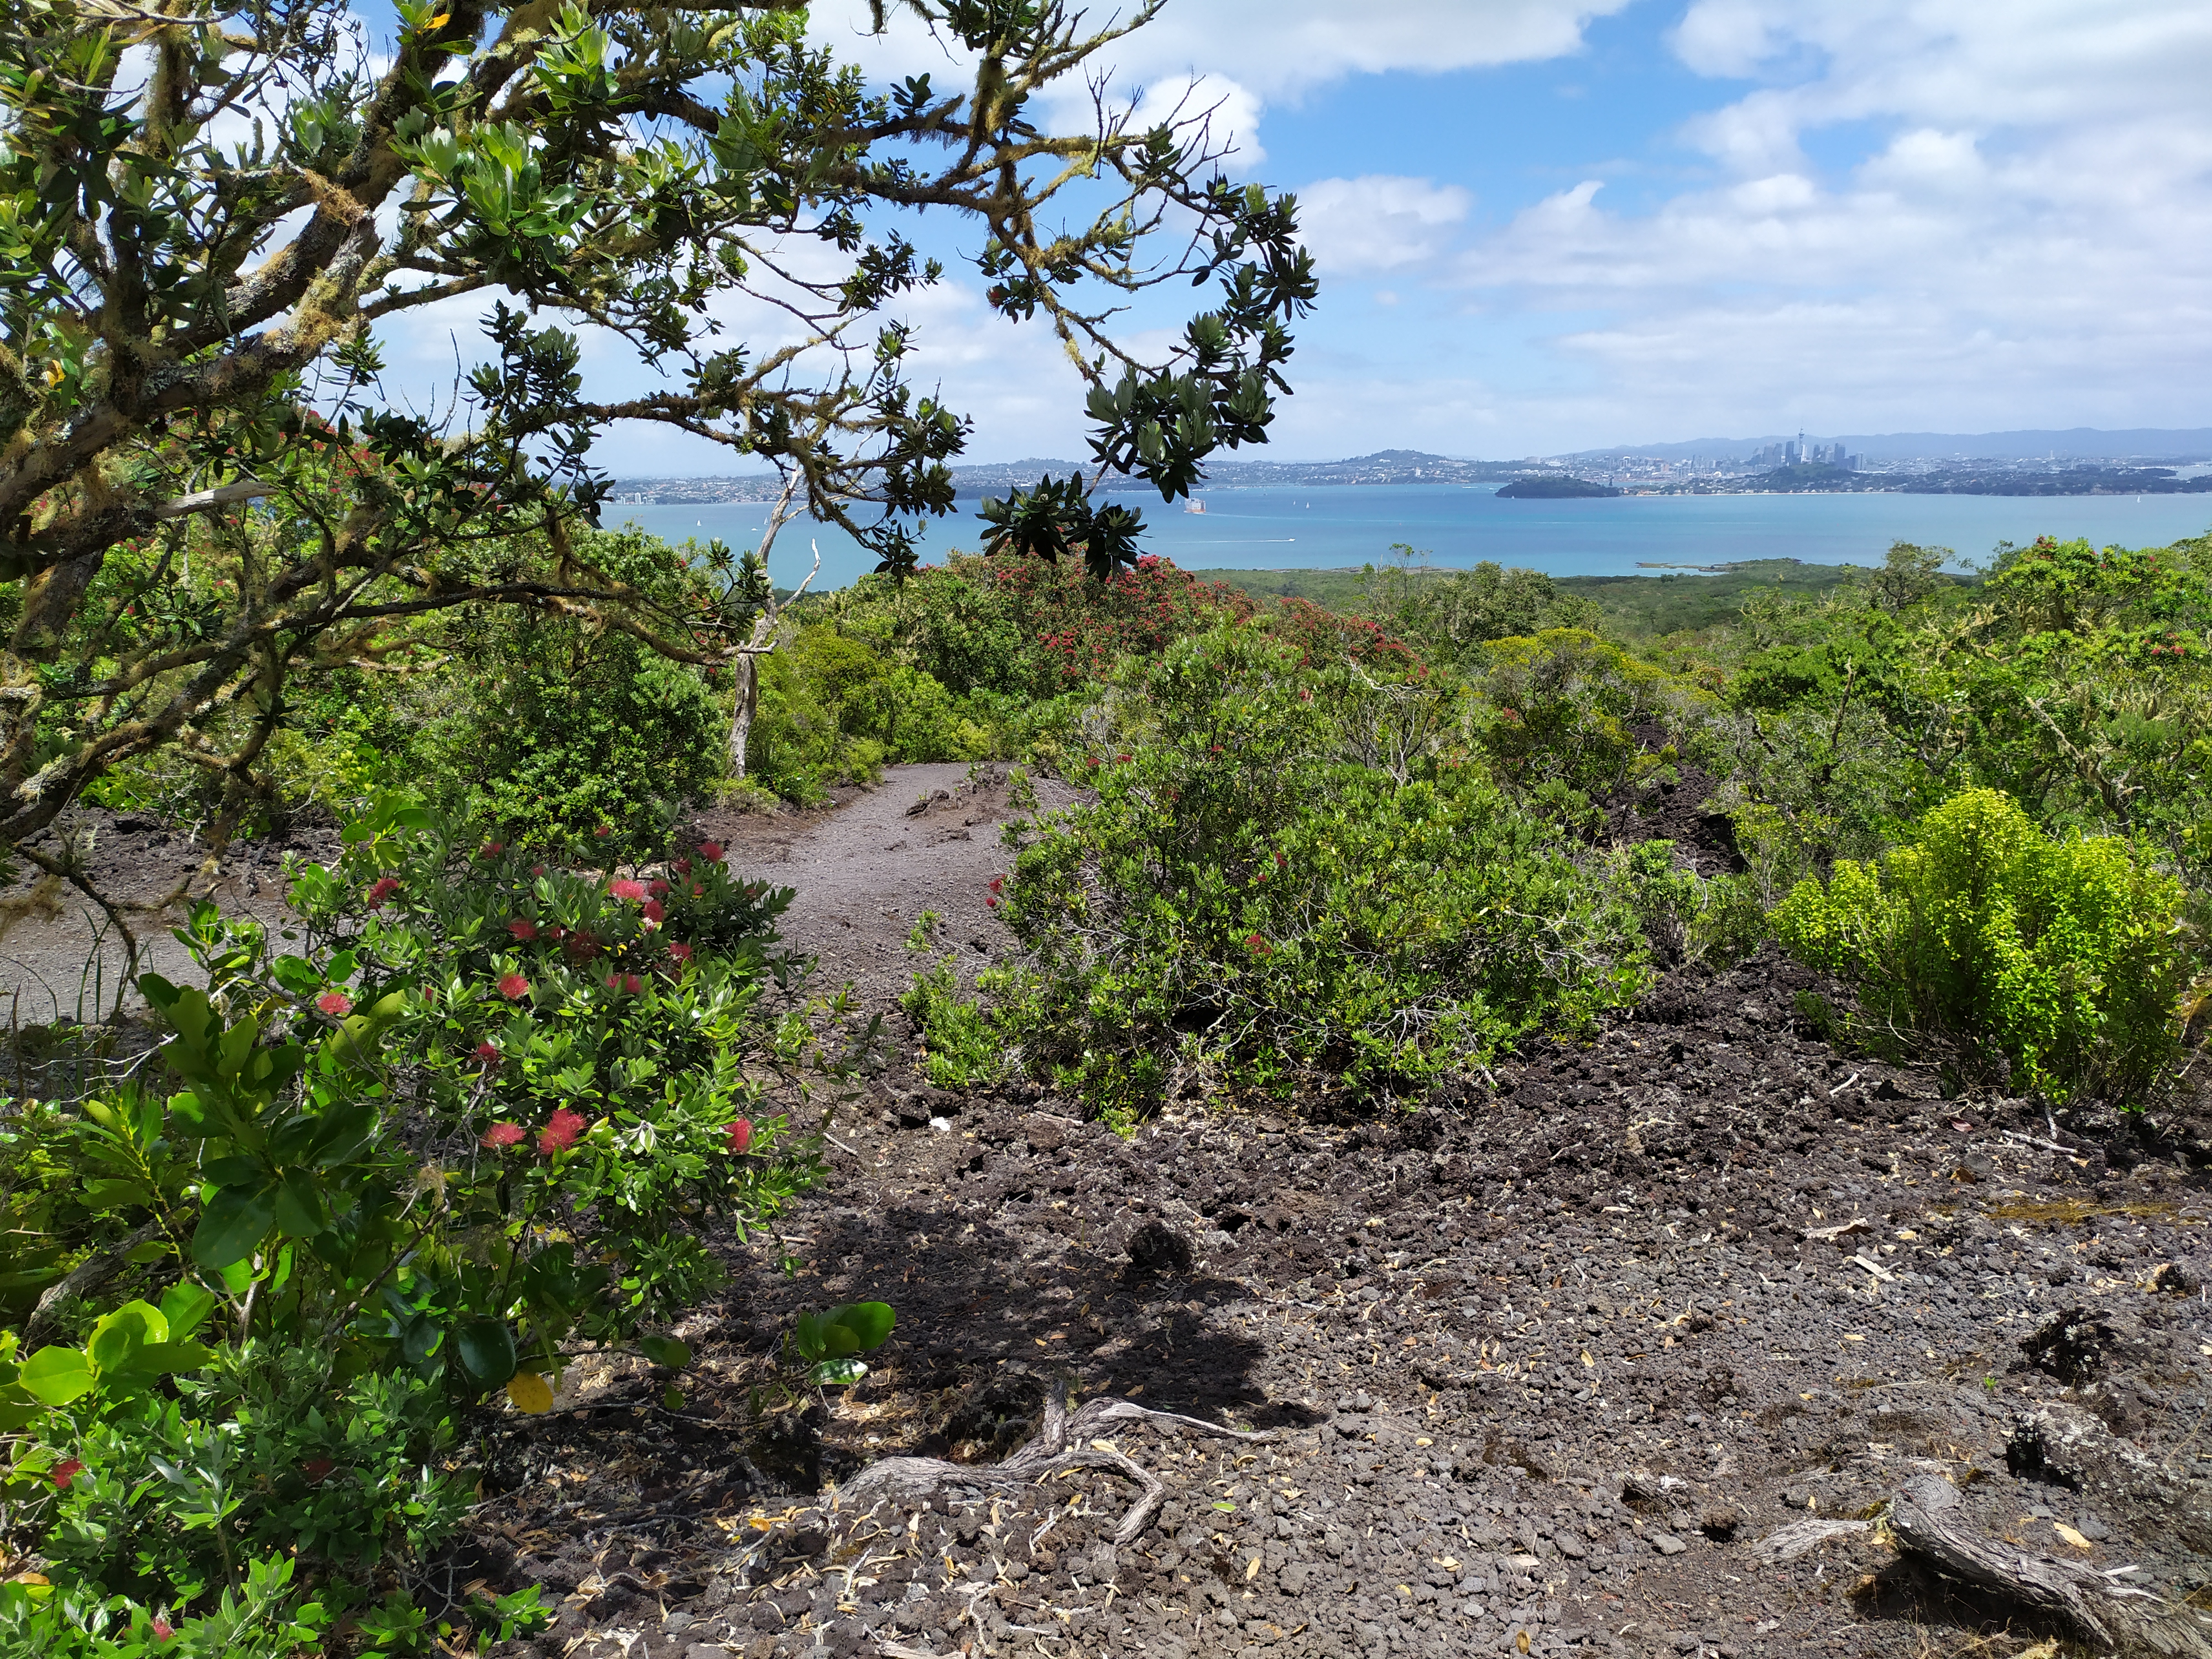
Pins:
<point x="1261" y="49"/>
<point x="1379" y="222"/>
<point x="2022" y="240"/>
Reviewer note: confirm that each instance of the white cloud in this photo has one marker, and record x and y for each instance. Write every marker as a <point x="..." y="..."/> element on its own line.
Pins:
<point x="1255" y="49"/>
<point x="2022" y="243"/>
<point x="1380" y="222"/>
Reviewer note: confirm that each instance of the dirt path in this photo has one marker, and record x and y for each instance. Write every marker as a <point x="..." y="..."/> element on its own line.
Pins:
<point x="927" y="838"/>
<point x="865" y="867"/>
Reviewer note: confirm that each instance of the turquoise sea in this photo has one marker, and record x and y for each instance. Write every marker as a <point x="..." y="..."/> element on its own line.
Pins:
<point x="1627" y="535"/>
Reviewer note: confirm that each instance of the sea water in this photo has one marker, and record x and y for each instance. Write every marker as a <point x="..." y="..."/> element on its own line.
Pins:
<point x="1612" y="535"/>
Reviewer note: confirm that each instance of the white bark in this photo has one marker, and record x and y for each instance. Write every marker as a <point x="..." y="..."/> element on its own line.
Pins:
<point x="745" y="657"/>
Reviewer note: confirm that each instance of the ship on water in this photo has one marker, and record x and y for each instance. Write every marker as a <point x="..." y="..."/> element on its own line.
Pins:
<point x="1195" y="504"/>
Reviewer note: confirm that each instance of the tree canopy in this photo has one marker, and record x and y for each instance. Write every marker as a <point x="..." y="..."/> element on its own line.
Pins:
<point x="209" y="208"/>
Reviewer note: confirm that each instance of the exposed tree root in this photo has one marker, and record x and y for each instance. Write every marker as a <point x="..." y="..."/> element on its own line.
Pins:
<point x="1926" y="1520"/>
<point x="1064" y="1443"/>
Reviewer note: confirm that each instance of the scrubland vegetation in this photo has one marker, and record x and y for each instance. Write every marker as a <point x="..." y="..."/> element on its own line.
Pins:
<point x="523" y="1050"/>
<point x="1328" y="859"/>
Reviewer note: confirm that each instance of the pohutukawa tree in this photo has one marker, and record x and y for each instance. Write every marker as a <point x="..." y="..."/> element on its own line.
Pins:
<point x="209" y="211"/>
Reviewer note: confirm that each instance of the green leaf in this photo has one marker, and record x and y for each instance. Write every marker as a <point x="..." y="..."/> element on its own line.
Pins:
<point x="300" y="1210"/>
<point x="187" y="1308"/>
<point x="420" y="1340"/>
<point x="113" y="1194"/>
<point x="870" y="1322"/>
<point x="806" y="1335"/>
<point x="118" y="1335"/>
<point x="837" y="1373"/>
<point x="57" y="1375"/>
<point x="159" y="1359"/>
<point x="235" y="1223"/>
<point x="486" y="1348"/>
<point x="664" y="1351"/>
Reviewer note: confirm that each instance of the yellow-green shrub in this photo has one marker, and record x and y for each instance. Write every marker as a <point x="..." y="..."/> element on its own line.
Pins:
<point x="2057" y="962"/>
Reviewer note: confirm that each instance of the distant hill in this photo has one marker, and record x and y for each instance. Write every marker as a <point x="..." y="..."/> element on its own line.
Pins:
<point x="1386" y="466"/>
<point x="1551" y="487"/>
<point x="2083" y="442"/>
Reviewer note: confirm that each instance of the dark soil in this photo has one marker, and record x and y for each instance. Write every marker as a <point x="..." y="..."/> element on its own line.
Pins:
<point x="1541" y="1363"/>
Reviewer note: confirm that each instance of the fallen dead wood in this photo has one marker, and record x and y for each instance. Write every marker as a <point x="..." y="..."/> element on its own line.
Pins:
<point x="2067" y="1446"/>
<point x="1064" y="1443"/>
<point x="1928" y="1519"/>
<point x="1801" y="1537"/>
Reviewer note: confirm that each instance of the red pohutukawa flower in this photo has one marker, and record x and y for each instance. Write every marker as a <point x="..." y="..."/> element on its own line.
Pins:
<point x="162" y="1629"/>
<point x="997" y="882"/>
<point x="492" y="849"/>
<point x="69" y="1468"/>
<point x="503" y="1134"/>
<point x="337" y="1004"/>
<point x="523" y="928"/>
<point x="382" y="889"/>
<point x="657" y="887"/>
<point x="684" y="867"/>
<point x="536" y="869"/>
<point x="1260" y="945"/>
<point x="627" y="889"/>
<point x="740" y="1135"/>
<point x="486" y="1053"/>
<point x="655" y="912"/>
<point x="633" y="984"/>
<point x="514" y="987"/>
<point x="560" y="1132"/>
<point x="711" y="851"/>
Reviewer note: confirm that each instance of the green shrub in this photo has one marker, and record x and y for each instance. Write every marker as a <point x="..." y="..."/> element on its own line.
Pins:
<point x="2054" y="962"/>
<point x="1286" y="877"/>
<point x="489" y="1115"/>
<point x="961" y="1042"/>
<point x="559" y="729"/>
<point x="1688" y="917"/>
<point x="1561" y="718"/>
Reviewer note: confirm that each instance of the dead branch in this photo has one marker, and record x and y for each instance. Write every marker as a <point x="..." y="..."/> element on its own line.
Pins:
<point x="87" y="1276"/>
<point x="1927" y="1520"/>
<point x="1065" y="1444"/>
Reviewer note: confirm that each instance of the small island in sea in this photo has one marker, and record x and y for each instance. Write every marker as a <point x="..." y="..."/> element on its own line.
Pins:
<point x="1549" y="489"/>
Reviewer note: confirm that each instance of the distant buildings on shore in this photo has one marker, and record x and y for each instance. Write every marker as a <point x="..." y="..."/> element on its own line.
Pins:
<point x="1801" y="454"/>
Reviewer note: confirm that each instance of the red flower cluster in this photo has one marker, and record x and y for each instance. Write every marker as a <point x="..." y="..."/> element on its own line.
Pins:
<point x="739" y="1133"/>
<point x="632" y="891"/>
<point x="382" y="889"/>
<point x="69" y="1468"/>
<point x="523" y="928"/>
<point x="487" y="1053"/>
<point x="337" y="1004"/>
<point x="560" y="1132"/>
<point x="711" y="851"/>
<point x="503" y="1134"/>
<point x="514" y="987"/>
<point x="1260" y="945"/>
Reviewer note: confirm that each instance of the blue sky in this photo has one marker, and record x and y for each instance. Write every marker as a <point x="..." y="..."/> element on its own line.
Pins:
<point x="1546" y="225"/>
